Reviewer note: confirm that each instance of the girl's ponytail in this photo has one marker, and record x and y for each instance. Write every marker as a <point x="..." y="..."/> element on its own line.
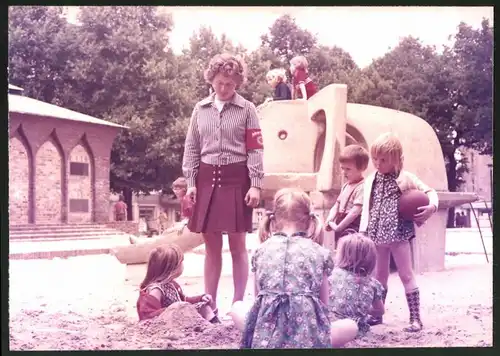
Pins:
<point x="265" y="226"/>
<point x="316" y="228"/>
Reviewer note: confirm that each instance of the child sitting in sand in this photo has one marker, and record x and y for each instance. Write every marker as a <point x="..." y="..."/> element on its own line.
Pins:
<point x="303" y="86"/>
<point x="159" y="289"/>
<point x="276" y="78"/>
<point x="291" y="287"/>
<point x="354" y="294"/>
<point x="345" y="215"/>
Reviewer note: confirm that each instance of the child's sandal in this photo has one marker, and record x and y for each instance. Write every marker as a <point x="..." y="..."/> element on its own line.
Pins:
<point x="414" y="327"/>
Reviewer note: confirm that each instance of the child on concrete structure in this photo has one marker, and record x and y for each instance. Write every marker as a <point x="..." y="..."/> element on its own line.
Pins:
<point x="381" y="220"/>
<point x="354" y="294"/>
<point x="291" y="287"/>
<point x="303" y="86"/>
<point x="179" y="186"/>
<point x="159" y="289"/>
<point x="345" y="215"/>
<point x="276" y="78"/>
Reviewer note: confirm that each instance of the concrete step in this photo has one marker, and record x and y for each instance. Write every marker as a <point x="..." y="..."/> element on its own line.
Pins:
<point x="73" y="238"/>
<point x="63" y="234"/>
<point x="30" y="227"/>
<point x="64" y="248"/>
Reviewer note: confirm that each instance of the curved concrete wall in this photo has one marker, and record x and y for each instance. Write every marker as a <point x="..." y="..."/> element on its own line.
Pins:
<point x="422" y="152"/>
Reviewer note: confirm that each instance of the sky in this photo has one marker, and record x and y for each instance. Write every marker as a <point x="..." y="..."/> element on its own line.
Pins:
<point x="364" y="32"/>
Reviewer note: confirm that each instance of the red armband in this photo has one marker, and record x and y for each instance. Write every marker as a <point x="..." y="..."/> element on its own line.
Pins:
<point x="254" y="139"/>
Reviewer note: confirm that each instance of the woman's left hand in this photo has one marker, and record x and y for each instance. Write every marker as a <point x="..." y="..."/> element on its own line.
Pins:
<point x="424" y="213"/>
<point x="252" y="198"/>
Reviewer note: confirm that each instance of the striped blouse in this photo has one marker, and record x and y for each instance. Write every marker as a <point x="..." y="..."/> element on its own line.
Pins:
<point x="218" y="138"/>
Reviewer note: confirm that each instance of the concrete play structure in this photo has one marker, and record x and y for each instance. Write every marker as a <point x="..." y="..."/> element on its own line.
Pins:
<point x="302" y="141"/>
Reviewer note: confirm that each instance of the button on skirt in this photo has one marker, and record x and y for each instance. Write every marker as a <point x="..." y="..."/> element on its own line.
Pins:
<point x="220" y="199"/>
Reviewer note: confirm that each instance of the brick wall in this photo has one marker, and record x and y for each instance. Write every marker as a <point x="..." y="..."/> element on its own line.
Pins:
<point x="478" y="179"/>
<point x="130" y="227"/>
<point x="19" y="171"/>
<point x="80" y="186"/>
<point x="48" y="184"/>
<point x="51" y="141"/>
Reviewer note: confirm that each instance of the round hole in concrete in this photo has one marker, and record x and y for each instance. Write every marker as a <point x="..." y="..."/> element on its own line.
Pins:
<point x="282" y="134"/>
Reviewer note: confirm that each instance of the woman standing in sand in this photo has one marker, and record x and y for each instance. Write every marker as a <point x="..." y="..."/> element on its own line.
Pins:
<point x="223" y="167"/>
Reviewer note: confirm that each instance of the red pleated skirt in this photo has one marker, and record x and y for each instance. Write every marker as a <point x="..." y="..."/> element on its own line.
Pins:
<point x="220" y="199"/>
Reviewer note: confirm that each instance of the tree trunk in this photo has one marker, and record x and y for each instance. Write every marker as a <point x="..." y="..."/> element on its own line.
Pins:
<point x="127" y="195"/>
<point x="451" y="174"/>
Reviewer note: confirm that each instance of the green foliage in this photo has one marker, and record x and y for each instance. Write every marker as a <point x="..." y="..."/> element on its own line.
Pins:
<point x="286" y="39"/>
<point x="41" y="51"/>
<point x="451" y="91"/>
<point x="116" y="64"/>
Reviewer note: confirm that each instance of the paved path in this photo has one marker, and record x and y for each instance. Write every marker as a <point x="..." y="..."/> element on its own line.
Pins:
<point x="457" y="241"/>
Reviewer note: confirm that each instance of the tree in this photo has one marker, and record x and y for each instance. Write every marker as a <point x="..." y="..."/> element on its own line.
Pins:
<point x="286" y="39"/>
<point x="203" y="46"/>
<point x="329" y="65"/>
<point x="434" y="87"/>
<point x="41" y="50"/>
<point x="258" y="62"/>
<point x="128" y="75"/>
<point x="472" y="54"/>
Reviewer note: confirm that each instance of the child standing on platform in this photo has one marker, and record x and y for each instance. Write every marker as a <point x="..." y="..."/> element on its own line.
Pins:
<point x="276" y="78"/>
<point x="381" y="220"/>
<point x="303" y="86"/>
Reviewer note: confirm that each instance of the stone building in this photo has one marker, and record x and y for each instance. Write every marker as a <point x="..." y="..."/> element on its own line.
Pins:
<point x="59" y="162"/>
<point x="479" y="180"/>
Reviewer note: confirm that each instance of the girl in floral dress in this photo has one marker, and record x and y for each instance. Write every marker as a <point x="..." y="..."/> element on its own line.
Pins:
<point x="291" y="286"/>
<point x="381" y="220"/>
<point x="354" y="294"/>
<point x="159" y="289"/>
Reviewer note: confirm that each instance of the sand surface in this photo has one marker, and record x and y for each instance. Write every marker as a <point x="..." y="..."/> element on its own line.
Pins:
<point x="88" y="303"/>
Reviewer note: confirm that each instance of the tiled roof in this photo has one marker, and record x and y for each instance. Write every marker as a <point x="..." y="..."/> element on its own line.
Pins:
<point x="24" y="105"/>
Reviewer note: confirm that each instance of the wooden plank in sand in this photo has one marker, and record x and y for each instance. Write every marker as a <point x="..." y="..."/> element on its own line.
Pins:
<point x="138" y="253"/>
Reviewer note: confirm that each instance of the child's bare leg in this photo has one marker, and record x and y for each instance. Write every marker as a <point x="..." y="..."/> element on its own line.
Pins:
<point x="343" y="331"/>
<point x="382" y="270"/>
<point x="382" y="267"/>
<point x="402" y="257"/>
<point x="238" y="313"/>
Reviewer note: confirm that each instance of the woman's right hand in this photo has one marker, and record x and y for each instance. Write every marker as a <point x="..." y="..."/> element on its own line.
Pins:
<point x="191" y="193"/>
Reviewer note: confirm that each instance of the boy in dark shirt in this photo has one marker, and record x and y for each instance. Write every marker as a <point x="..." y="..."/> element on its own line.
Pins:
<point x="277" y="79"/>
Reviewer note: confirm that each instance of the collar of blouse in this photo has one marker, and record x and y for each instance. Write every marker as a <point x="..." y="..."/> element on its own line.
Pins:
<point x="237" y="100"/>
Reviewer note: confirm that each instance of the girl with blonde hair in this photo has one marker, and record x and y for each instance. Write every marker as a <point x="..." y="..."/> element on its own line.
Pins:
<point x="354" y="294"/>
<point x="276" y="78"/>
<point x="159" y="289"/>
<point x="303" y="86"/>
<point x="291" y="286"/>
<point x="381" y="220"/>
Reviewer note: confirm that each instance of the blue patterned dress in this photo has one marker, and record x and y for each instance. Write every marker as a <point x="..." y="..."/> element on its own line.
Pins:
<point x="351" y="297"/>
<point x="287" y="312"/>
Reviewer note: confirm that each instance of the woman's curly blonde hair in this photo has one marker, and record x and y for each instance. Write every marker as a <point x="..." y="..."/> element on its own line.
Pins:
<point x="230" y="65"/>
